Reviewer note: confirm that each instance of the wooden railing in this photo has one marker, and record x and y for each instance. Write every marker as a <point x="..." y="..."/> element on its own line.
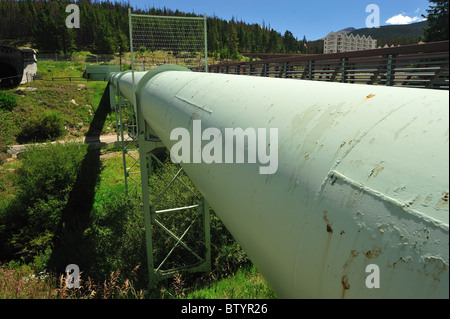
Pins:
<point x="419" y="65"/>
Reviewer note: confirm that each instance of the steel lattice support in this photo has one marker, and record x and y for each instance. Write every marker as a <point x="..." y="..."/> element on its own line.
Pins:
<point x="131" y="128"/>
<point x="126" y="130"/>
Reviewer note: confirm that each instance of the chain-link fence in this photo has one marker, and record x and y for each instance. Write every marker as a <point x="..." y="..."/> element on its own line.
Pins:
<point x="158" y="40"/>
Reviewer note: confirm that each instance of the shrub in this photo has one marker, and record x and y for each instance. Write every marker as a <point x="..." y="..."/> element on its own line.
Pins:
<point x="49" y="171"/>
<point x="7" y="101"/>
<point x="44" y="182"/>
<point x="49" y="126"/>
<point x="117" y="237"/>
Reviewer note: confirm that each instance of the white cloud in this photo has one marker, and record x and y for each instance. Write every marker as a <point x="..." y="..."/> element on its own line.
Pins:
<point x="403" y="19"/>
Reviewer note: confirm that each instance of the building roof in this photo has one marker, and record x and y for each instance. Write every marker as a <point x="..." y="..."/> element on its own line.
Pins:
<point x="349" y="36"/>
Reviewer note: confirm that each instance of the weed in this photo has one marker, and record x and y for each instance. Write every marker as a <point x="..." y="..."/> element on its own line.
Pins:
<point x="178" y="285"/>
<point x="7" y="101"/>
<point x="114" y="288"/>
<point x="49" y="126"/>
<point x="18" y="281"/>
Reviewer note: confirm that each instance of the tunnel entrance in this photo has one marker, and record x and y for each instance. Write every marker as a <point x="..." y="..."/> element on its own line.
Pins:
<point x="11" y="67"/>
<point x="9" y="77"/>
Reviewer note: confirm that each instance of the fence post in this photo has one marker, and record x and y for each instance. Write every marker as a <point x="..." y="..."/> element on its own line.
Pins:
<point x="389" y="71"/>
<point x="285" y="67"/>
<point x="343" y="70"/>
<point x="264" y="72"/>
<point x="310" y="68"/>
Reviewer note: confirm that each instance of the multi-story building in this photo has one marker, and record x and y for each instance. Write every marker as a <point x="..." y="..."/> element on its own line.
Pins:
<point x="341" y="42"/>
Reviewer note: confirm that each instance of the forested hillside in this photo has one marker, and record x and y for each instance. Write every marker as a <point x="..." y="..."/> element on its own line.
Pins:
<point x="395" y="34"/>
<point x="104" y="27"/>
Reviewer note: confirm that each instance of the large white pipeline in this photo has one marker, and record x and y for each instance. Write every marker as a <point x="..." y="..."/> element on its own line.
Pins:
<point x="361" y="190"/>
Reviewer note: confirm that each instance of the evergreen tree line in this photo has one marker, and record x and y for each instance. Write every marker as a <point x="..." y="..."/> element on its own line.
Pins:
<point x="104" y="29"/>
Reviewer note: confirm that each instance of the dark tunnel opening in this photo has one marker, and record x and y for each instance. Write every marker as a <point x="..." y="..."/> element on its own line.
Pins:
<point x="9" y="77"/>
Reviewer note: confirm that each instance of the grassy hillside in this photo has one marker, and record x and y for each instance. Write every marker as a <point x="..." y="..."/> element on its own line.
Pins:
<point x="45" y="110"/>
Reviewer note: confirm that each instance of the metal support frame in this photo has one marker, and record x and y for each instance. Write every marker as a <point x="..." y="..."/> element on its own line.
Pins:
<point x="156" y="270"/>
<point x="126" y="126"/>
<point x="130" y="124"/>
<point x="205" y="26"/>
<point x="131" y="129"/>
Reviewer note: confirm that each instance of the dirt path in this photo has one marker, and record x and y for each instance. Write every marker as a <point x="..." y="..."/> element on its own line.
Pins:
<point x="104" y="141"/>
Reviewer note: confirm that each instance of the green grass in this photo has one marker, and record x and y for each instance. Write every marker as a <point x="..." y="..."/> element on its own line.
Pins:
<point x="246" y="283"/>
<point x="111" y="181"/>
<point x="7" y="183"/>
<point x="51" y="69"/>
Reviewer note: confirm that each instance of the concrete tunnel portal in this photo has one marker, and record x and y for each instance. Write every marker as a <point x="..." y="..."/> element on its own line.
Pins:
<point x="11" y="67"/>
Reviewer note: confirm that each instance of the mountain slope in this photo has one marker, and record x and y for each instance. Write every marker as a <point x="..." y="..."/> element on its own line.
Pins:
<point x="393" y="31"/>
<point x="347" y="30"/>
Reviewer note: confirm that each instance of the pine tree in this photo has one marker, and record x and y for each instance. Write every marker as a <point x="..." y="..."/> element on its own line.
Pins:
<point x="256" y="39"/>
<point x="213" y="39"/>
<point x="289" y="42"/>
<point x="66" y="36"/>
<point x="437" y="29"/>
<point x="274" y="41"/>
<point x="45" y="31"/>
<point x="233" y="42"/>
<point x="104" y="41"/>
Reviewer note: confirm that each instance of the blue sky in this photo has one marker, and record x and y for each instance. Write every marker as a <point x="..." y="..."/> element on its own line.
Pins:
<point x="312" y="18"/>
